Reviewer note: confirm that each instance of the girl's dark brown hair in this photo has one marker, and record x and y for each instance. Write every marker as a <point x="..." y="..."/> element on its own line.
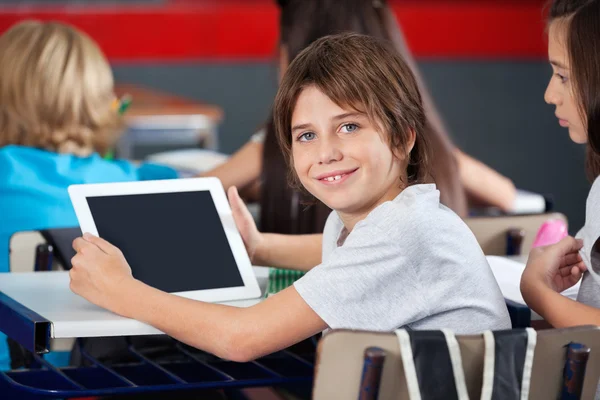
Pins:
<point x="368" y="75"/>
<point x="582" y="23"/>
<point x="302" y="22"/>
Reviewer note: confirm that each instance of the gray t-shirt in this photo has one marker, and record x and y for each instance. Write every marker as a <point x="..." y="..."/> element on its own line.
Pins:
<point x="589" y="292"/>
<point x="410" y="263"/>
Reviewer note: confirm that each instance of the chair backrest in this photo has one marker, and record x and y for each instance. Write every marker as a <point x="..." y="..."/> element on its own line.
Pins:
<point x="340" y="356"/>
<point x="61" y="240"/>
<point x="23" y="248"/>
<point x="491" y="231"/>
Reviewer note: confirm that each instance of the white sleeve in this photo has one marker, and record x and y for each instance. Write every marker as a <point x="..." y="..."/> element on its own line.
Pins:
<point x="591" y="230"/>
<point x="259" y="137"/>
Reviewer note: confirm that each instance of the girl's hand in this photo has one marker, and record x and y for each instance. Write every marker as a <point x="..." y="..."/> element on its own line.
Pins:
<point x="558" y="266"/>
<point x="100" y="272"/>
<point x="252" y="238"/>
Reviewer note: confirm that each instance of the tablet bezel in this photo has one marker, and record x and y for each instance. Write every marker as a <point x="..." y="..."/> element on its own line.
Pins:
<point x="80" y="193"/>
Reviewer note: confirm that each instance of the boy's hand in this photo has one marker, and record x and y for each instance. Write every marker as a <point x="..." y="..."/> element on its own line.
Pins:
<point x="245" y="223"/>
<point x="558" y="266"/>
<point x="100" y="272"/>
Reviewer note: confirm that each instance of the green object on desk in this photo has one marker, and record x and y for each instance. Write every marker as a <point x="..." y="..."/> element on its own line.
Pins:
<point x="280" y="279"/>
<point x="124" y="104"/>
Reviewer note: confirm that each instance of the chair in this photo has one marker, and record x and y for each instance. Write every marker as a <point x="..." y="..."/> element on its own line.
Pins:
<point x="340" y="358"/>
<point x="22" y="250"/>
<point x="491" y="232"/>
<point x="23" y="247"/>
<point x="511" y="235"/>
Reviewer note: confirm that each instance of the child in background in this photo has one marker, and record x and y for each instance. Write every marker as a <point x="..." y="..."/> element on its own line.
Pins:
<point x="574" y="53"/>
<point x="350" y="121"/>
<point x="57" y="120"/>
<point x="574" y="89"/>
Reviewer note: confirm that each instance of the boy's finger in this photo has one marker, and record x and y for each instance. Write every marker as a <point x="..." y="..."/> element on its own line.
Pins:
<point x="75" y="261"/>
<point x="78" y="243"/>
<point x="235" y="200"/>
<point x="237" y="204"/>
<point x="100" y="243"/>
<point x="232" y="192"/>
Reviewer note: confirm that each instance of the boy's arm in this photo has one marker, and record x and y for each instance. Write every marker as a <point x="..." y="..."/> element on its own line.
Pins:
<point x="101" y="275"/>
<point x="300" y="252"/>
<point x="237" y="334"/>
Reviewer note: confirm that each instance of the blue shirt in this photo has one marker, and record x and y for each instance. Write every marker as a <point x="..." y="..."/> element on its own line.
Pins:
<point x="33" y="192"/>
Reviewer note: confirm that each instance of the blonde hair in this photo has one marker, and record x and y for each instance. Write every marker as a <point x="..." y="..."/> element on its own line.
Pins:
<point x="56" y="90"/>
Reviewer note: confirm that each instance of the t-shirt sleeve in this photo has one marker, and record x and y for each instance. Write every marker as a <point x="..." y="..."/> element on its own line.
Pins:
<point x="368" y="283"/>
<point x="591" y="231"/>
<point x="149" y="172"/>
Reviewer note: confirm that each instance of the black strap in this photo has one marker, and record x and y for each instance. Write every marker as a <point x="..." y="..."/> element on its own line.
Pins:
<point x="433" y="365"/>
<point x="510" y="350"/>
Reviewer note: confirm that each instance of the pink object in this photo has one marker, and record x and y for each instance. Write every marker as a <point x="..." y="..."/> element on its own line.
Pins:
<point x="551" y="231"/>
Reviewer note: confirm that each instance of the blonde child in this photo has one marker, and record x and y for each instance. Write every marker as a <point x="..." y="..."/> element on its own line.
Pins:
<point x="57" y="119"/>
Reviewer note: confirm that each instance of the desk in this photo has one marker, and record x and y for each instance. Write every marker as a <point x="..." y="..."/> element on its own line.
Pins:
<point x="508" y="271"/>
<point x="67" y="315"/>
<point x="156" y="118"/>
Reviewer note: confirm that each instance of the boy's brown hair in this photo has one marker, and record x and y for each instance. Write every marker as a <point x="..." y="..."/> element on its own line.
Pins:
<point x="368" y="75"/>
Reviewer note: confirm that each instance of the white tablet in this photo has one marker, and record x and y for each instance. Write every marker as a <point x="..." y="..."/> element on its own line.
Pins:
<point x="178" y="235"/>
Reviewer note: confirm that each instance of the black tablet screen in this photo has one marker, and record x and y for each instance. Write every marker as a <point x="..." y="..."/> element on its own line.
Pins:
<point x="173" y="241"/>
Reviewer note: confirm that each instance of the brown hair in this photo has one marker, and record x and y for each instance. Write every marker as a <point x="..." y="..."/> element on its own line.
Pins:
<point x="582" y="18"/>
<point x="301" y="23"/>
<point x="368" y="75"/>
<point x="56" y="90"/>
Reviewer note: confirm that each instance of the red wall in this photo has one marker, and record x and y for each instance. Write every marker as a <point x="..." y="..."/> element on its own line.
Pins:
<point x="247" y="29"/>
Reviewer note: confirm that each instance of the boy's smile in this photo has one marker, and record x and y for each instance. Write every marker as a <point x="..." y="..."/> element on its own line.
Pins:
<point x="336" y="177"/>
<point x="341" y="157"/>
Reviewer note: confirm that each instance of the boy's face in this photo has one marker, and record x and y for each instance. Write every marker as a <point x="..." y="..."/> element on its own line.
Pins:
<point x="560" y="90"/>
<point x="340" y="157"/>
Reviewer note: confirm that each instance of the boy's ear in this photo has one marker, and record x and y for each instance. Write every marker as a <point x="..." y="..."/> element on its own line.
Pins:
<point x="404" y="154"/>
<point x="412" y="138"/>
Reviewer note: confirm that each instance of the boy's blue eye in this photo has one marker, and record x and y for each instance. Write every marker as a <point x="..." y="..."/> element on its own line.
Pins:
<point x="349" y="128"/>
<point x="306" y="137"/>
